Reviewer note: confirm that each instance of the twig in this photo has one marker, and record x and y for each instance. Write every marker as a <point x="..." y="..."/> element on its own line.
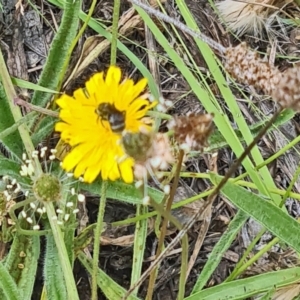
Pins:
<point x="163" y="232"/>
<point x="213" y="44"/>
<point x="36" y="108"/>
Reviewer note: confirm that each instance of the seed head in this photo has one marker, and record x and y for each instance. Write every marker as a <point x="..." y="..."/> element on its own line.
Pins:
<point x="47" y="188"/>
<point x="192" y="131"/>
<point x="247" y="67"/>
<point x="153" y="152"/>
<point x="243" y="17"/>
<point x="287" y="91"/>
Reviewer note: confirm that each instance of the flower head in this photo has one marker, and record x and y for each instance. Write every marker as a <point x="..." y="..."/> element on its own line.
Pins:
<point x="192" y="131"/>
<point x="151" y="151"/>
<point x="36" y="192"/>
<point x="93" y="121"/>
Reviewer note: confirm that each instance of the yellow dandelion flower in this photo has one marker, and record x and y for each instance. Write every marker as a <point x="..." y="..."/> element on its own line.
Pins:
<point x="93" y="121"/>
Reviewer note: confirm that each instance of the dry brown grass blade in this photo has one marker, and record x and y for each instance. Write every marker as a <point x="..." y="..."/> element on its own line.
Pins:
<point x="92" y="47"/>
<point x="287" y="293"/>
<point x="152" y="61"/>
<point x="206" y="217"/>
<point x="200" y="238"/>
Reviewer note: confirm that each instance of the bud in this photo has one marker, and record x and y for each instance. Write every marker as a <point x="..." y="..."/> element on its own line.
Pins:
<point x="47" y="188"/>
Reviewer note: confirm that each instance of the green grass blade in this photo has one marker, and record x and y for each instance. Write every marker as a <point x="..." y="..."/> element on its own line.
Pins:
<point x="31" y="86"/>
<point x="124" y="192"/>
<point x="220" y="248"/>
<point x="244" y="288"/>
<point x="110" y="288"/>
<point x="264" y="212"/>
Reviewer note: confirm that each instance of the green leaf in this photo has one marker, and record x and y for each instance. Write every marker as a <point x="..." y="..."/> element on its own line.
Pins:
<point x="12" y="169"/>
<point x="54" y="277"/>
<point x="58" y="52"/>
<point x="265" y="212"/>
<point x="27" y="280"/>
<point x="244" y="288"/>
<point x="12" y="142"/>
<point x="220" y="248"/>
<point x="8" y="285"/>
<point x="31" y="86"/>
<point x="21" y="262"/>
<point x="119" y="190"/>
<point x="44" y="128"/>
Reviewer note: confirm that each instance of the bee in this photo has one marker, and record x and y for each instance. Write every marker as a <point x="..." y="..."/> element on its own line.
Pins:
<point x="115" y="118"/>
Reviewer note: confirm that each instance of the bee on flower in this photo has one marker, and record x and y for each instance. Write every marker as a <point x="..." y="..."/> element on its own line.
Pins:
<point x="110" y="135"/>
<point x="94" y="120"/>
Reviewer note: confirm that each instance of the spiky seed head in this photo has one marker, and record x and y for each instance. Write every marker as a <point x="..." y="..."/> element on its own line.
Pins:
<point x="243" y="17"/>
<point x="47" y="188"/>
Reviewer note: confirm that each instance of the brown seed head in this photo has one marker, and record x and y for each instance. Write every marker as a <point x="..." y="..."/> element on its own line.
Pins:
<point x="192" y="131"/>
<point x="287" y="91"/>
<point x="247" y="67"/>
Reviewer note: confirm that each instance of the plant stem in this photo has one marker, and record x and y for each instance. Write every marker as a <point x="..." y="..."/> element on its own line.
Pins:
<point x="114" y="40"/>
<point x="98" y="232"/>
<point x="164" y="229"/>
<point x="254" y="258"/>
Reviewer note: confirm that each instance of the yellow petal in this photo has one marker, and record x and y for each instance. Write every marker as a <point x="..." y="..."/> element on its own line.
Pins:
<point x="113" y="75"/>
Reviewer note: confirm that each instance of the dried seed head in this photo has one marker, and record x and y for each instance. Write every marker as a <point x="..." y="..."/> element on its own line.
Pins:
<point x="287" y="91"/>
<point x="242" y="17"/>
<point x="191" y="132"/>
<point x="247" y="67"/>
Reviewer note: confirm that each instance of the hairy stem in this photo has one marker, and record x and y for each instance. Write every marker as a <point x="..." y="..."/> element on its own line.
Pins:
<point x="98" y="232"/>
